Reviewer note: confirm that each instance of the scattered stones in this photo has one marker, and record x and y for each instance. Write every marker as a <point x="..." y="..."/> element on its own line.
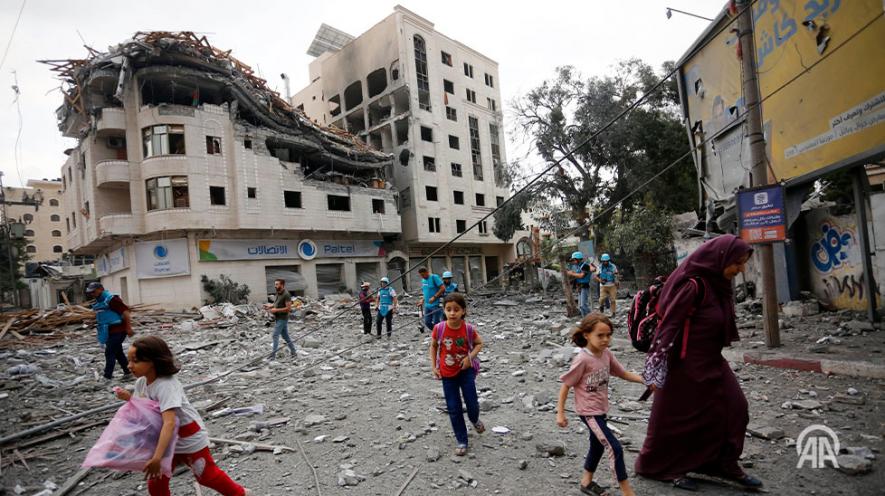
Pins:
<point x="340" y="439"/>
<point x="312" y="420"/>
<point x="433" y="454"/>
<point x="849" y="400"/>
<point x="518" y="373"/>
<point x="555" y="448"/>
<point x="522" y="464"/>
<point x="807" y="404"/>
<point x="349" y="478"/>
<point x="766" y="432"/>
<point x="630" y="406"/>
<point x="505" y="303"/>
<point x="853" y="464"/>
<point x="858" y="325"/>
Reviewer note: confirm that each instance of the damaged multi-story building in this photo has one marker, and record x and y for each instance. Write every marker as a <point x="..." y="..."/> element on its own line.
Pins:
<point x="434" y="103"/>
<point x="188" y="165"/>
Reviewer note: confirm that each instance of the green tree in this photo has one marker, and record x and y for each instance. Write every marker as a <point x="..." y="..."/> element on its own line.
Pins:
<point x="19" y="257"/>
<point x="645" y="238"/>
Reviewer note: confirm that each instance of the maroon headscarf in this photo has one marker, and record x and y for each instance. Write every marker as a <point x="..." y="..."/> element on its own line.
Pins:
<point x="708" y="262"/>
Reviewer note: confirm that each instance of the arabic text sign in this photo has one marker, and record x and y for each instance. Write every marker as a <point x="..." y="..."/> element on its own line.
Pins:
<point x="212" y="250"/>
<point x="162" y="258"/>
<point x="111" y="262"/>
<point x="762" y="217"/>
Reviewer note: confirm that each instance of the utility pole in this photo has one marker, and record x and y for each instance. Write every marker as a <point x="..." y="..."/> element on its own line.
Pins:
<point x="759" y="172"/>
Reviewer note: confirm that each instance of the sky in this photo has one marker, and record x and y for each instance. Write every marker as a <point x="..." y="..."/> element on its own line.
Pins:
<point x="527" y="39"/>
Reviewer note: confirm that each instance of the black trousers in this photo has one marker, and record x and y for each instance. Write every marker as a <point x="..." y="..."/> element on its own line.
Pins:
<point x="389" y="319"/>
<point x="113" y="352"/>
<point x="367" y="321"/>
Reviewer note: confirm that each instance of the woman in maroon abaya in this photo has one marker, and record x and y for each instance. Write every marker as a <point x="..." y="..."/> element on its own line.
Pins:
<point x="699" y="416"/>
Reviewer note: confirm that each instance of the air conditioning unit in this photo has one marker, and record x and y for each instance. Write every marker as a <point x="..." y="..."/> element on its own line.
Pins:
<point x="116" y="142"/>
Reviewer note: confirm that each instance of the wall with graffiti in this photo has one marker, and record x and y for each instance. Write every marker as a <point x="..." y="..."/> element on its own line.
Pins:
<point x="837" y="276"/>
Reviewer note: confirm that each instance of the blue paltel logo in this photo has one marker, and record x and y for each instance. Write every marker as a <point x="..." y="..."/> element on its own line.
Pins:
<point x="160" y="251"/>
<point x="307" y="249"/>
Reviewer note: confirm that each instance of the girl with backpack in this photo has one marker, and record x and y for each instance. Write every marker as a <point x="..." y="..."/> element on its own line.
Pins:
<point x="699" y="416"/>
<point x="454" y="346"/>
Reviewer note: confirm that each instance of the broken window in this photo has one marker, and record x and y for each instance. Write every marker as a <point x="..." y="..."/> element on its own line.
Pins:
<point x="475" y="155"/>
<point x="405" y="198"/>
<point x="55" y="217"/>
<point x="377" y="206"/>
<point x="429" y="164"/>
<point x="216" y="195"/>
<point x="292" y="199"/>
<point x="454" y="142"/>
<point x="490" y="80"/>
<point x="338" y="203"/>
<point x="448" y="86"/>
<point x="56" y="233"/>
<point x="458" y="197"/>
<point x="353" y="95"/>
<point x="460" y="225"/>
<point x="451" y="114"/>
<point x="480" y="200"/>
<point x="402" y="131"/>
<point x="376" y="82"/>
<point x="330" y="279"/>
<point x="499" y="200"/>
<point x="163" y="140"/>
<point x="356" y="121"/>
<point x="483" y="228"/>
<point x="433" y="224"/>
<point x="492" y="104"/>
<point x="335" y="105"/>
<point x="431" y="193"/>
<point x="471" y="95"/>
<point x="446" y="58"/>
<point x="251" y="192"/>
<point x="167" y="192"/>
<point x="213" y="145"/>
<point x="421" y="73"/>
<point x="426" y="134"/>
<point x="394" y="70"/>
<point x="495" y="140"/>
<point x="468" y="70"/>
<point x="456" y="169"/>
<point x="247" y="144"/>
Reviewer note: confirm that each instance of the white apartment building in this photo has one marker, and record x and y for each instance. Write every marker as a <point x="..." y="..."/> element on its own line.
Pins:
<point x="434" y="103"/>
<point x="189" y="166"/>
<point x="44" y="227"/>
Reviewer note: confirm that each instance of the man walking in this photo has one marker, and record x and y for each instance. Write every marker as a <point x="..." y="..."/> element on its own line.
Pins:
<point x="431" y="289"/>
<point x="582" y="272"/>
<point x="608" y="281"/>
<point x="386" y="303"/>
<point x="280" y="310"/>
<point x="114" y="323"/>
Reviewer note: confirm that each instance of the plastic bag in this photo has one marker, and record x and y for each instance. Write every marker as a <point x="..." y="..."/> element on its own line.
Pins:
<point x="129" y="441"/>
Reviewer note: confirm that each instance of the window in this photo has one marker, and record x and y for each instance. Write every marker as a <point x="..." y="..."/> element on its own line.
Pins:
<point x="471" y="95"/>
<point x="71" y="175"/>
<point x="468" y="70"/>
<point x="166" y="192"/>
<point x="431" y="193"/>
<point x="426" y="134"/>
<point x="449" y="86"/>
<point x="29" y="233"/>
<point x="57" y="249"/>
<point x="86" y="209"/>
<point x="292" y="199"/>
<point x="377" y="206"/>
<point x="247" y="144"/>
<point x="74" y="219"/>
<point x="55" y="218"/>
<point x="499" y="200"/>
<point x="28" y="218"/>
<point x="216" y="195"/>
<point x="446" y="58"/>
<point x="213" y="145"/>
<point x="421" y="73"/>
<point x="460" y="225"/>
<point x="475" y="155"/>
<point x="483" y="228"/>
<point x="458" y="197"/>
<point x="490" y="80"/>
<point x="451" y="114"/>
<point x="338" y="202"/>
<point x="53" y="202"/>
<point x="68" y="224"/>
<point x="480" y="200"/>
<point x="163" y="140"/>
<point x="429" y="164"/>
<point x="251" y="192"/>
<point x="494" y="138"/>
<point x="31" y="249"/>
<point x="492" y="104"/>
<point x="454" y="142"/>
<point x="456" y="169"/>
<point x="433" y="224"/>
<point x="56" y="233"/>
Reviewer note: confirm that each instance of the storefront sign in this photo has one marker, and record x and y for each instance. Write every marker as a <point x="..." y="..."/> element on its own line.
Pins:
<point x="212" y="250"/>
<point x="761" y="214"/>
<point x="162" y="258"/>
<point x="350" y="248"/>
<point x="111" y="262"/>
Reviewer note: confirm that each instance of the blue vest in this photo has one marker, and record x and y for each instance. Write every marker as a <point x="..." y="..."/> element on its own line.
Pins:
<point x="385" y="300"/>
<point x="607" y="273"/>
<point x="104" y="316"/>
<point x="449" y="288"/>
<point x="585" y="268"/>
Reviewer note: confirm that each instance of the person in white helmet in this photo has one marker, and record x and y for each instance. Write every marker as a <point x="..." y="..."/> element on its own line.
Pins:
<point x="385" y="301"/>
<point x="581" y="273"/>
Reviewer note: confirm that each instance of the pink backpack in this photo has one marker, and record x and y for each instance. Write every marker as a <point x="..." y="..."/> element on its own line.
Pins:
<point x="440" y="329"/>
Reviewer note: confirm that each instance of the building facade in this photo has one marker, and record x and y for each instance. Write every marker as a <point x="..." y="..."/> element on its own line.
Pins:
<point x="189" y="167"/>
<point x="44" y="225"/>
<point x="435" y="104"/>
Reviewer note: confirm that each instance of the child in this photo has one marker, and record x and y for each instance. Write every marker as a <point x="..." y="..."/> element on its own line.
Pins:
<point x="366" y="307"/>
<point x="385" y="301"/>
<point x="589" y="375"/>
<point x="151" y="361"/>
<point x="454" y="346"/>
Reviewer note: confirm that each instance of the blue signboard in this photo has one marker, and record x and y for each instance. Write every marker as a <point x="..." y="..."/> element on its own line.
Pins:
<point x="761" y="214"/>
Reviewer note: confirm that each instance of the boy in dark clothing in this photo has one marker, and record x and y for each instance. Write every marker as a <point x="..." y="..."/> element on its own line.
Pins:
<point x="366" y="307"/>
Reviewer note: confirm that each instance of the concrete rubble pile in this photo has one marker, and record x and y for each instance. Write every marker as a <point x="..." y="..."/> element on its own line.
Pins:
<point x="354" y="413"/>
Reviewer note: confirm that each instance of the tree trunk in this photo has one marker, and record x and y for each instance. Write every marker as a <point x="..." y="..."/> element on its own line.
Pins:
<point x="571" y="309"/>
